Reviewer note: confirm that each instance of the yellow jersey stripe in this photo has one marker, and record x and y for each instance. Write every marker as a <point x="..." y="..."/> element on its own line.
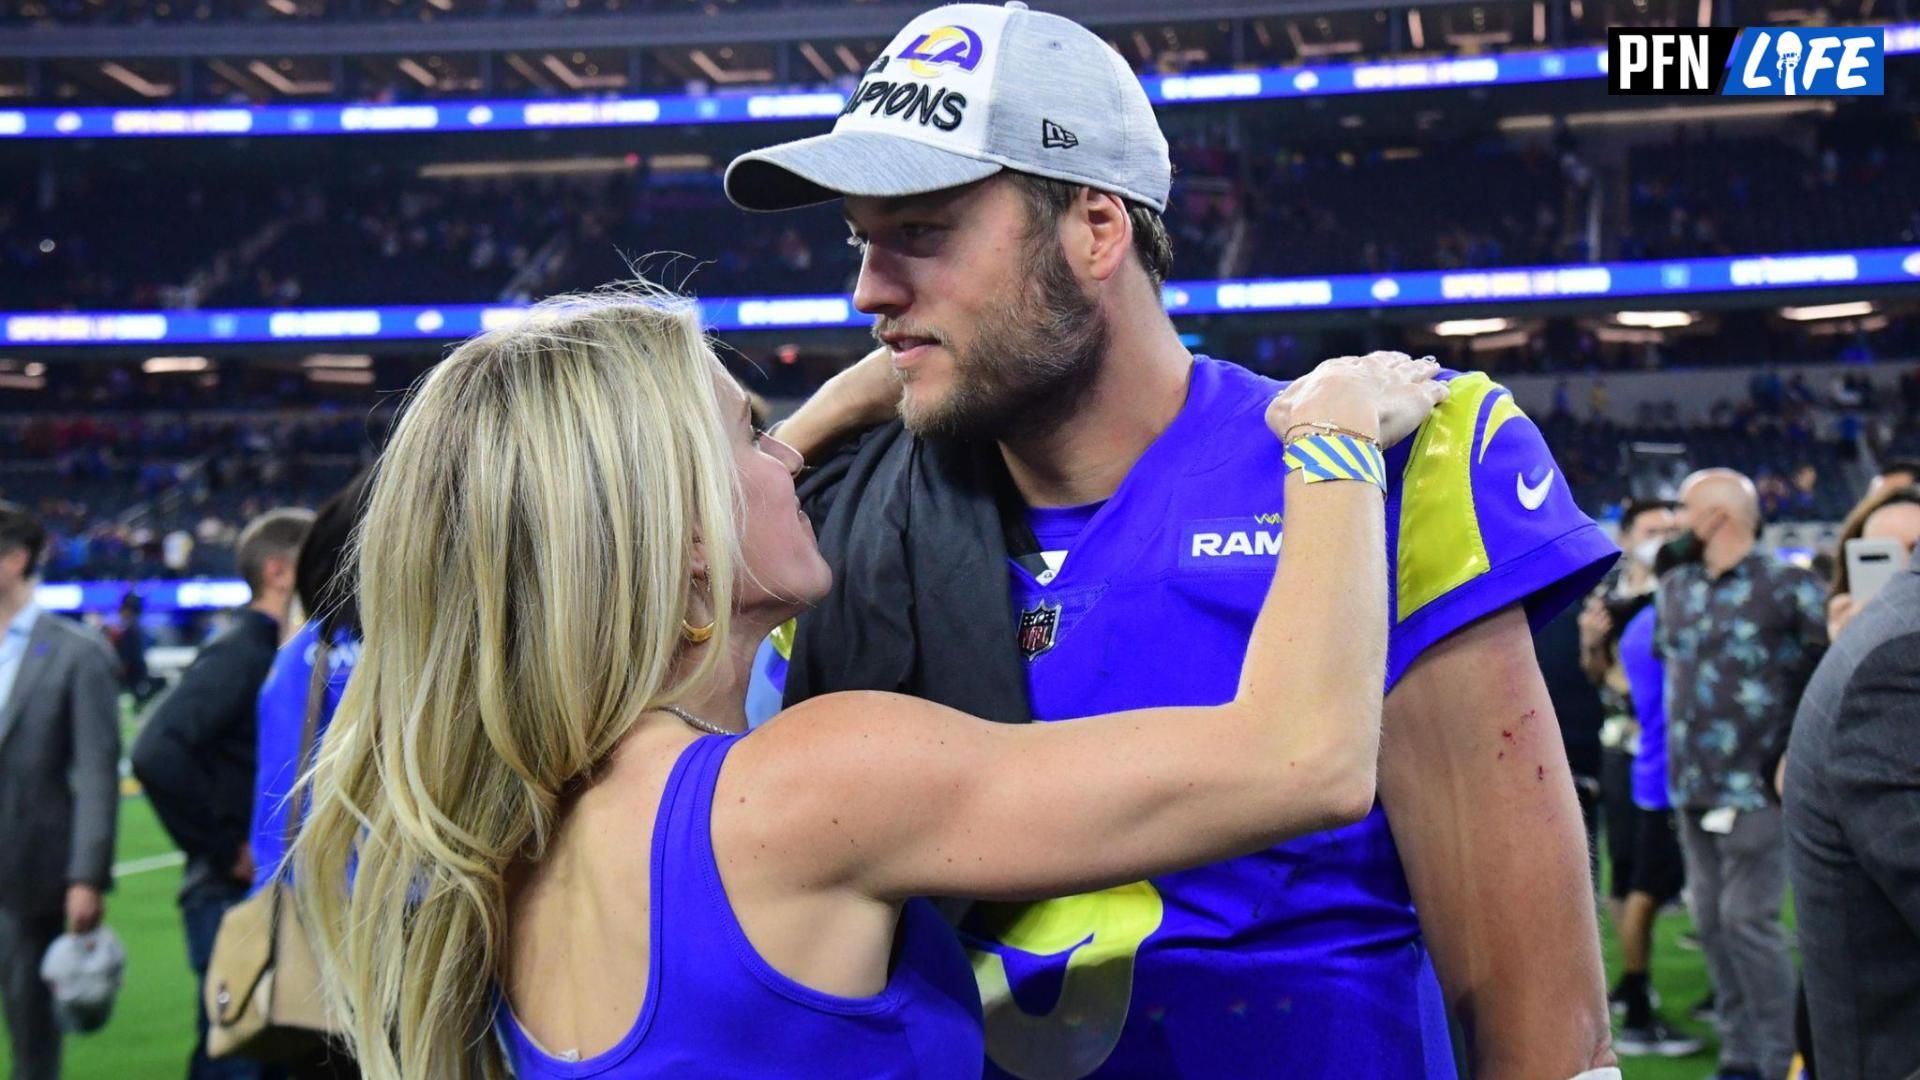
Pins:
<point x="1439" y="544"/>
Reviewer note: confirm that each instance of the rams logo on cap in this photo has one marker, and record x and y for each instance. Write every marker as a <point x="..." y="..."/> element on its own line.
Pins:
<point x="940" y="48"/>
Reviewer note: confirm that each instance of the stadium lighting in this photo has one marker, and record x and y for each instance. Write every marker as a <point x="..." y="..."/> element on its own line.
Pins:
<point x="1669" y="115"/>
<point x="337" y="362"/>
<point x="725" y="76"/>
<point x="1622" y="335"/>
<point x="133" y="81"/>
<point x="1871" y="324"/>
<point x="664" y="163"/>
<point x="174" y="365"/>
<point x="265" y="72"/>
<point x="1470" y="327"/>
<point x="339" y="377"/>
<point x="812" y="56"/>
<point x="1851" y="310"/>
<point x="1496" y="342"/>
<point x="1654" y="320"/>
<point x="472" y="170"/>
<point x="35" y="369"/>
<point x="414" y="70"/>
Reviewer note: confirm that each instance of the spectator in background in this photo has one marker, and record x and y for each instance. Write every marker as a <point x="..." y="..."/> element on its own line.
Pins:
<point x="60" y="777"/>
<point x="1626" y="587"/>
<point x="1575" y="705"/>
<point x="1804" y="500"/>
<point x="195" y="754"/>
<point x="1659" y="867"/>
<point x="176" y="550"/>
<point x="1887" y="513"/>
<point x="1739" y="632"/>
<point x="1617" y="646"/>
<point x="1852" y="798"/>
<point x="130" y="648"/>
<point x="1773" y="493"/>
<point x="331" y="641"/>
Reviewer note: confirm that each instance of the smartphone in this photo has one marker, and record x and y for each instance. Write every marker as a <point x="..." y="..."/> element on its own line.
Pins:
<point x="1870" y="565"/>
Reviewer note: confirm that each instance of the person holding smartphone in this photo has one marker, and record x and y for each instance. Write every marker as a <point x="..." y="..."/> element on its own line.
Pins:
<point x="1886" y="522"/>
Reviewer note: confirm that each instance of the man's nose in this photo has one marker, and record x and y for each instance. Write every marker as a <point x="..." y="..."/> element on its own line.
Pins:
<point x="883" y="288"/>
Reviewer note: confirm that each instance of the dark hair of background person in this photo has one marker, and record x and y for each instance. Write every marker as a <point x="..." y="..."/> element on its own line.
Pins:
<point x="1908" y="468"/>
<point x="20" y="529"/>
<point x="1856" y="524"/>
<point x="276" y="532"/>
<point x="1048" y="198"/>
<point x="1636" y="507"/>
<point x="322" y="574"/>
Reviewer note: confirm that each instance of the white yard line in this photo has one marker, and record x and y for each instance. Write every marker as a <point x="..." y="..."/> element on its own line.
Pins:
<point x="148" y="864"/>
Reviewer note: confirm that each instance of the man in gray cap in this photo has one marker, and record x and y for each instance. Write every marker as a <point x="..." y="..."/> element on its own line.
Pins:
<point x="1068" y="517"/>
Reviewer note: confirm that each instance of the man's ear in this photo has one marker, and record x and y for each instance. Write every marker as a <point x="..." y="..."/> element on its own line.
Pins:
<point x="1104" y="239"/>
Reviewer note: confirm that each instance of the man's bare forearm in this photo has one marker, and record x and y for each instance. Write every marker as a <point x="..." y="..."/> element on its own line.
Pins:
<point x="1475" y="782"/>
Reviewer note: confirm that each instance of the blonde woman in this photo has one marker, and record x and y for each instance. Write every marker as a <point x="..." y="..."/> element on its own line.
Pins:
<point x="564" y="858"/>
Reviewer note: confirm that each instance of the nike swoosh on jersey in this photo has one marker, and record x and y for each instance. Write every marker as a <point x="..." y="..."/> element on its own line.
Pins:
<point x="1533" y="498"/>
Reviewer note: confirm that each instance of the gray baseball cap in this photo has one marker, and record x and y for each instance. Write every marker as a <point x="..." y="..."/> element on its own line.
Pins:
<point x="965" y="91"/>
<point x="84" y="973"/>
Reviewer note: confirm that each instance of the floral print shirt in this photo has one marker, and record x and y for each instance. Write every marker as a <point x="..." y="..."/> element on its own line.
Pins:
<point x="1739" y="649"/>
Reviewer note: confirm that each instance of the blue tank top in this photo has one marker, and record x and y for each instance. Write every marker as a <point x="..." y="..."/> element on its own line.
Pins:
<point x="715" y="1009"/>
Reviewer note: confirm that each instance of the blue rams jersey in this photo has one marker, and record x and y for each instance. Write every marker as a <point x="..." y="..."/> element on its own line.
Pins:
<point x="1304" y="960"/>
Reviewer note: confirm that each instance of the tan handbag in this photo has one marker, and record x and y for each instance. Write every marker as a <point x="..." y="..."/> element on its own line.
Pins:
<point x="262" y="990"/>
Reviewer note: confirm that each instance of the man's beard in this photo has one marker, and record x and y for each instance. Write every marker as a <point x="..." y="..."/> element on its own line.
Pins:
<point x="1031" y="361"/>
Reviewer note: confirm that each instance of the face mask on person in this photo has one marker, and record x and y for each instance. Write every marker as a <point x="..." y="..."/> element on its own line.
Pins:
<point x="1690" y="546"/>
<point x="1647" y="552"/>
<point x="1679" y="551"/>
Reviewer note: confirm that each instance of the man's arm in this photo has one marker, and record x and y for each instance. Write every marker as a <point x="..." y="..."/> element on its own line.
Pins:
<point x="1476" y="787"/>
<point x="94" y="779"/>
<point x="1595" y="655"/>
<point x="212" y="694"/>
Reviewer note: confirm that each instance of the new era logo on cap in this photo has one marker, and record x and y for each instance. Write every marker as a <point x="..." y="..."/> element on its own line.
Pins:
<point x="956" y="97"/>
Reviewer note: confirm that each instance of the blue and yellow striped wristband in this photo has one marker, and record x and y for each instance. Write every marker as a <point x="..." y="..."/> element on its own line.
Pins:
<point x="1337" y="457"/>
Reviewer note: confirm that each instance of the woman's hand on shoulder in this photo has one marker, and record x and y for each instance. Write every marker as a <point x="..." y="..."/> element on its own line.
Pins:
<point x="1383" y="395"/>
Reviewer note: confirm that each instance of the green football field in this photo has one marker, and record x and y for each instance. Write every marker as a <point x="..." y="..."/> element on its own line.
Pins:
<point x="152" y="1028"/>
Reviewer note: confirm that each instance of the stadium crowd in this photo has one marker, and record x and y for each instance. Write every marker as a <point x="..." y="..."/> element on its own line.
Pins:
<point x="136" y="492"/>
<point x="1270" y="208"/>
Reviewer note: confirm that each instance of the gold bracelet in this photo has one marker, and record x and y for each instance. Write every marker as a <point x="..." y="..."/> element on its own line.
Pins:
<point x="1325" y="428"/>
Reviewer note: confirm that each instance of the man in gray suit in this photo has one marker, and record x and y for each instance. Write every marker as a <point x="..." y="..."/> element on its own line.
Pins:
<point x="1852" y="794"/>
<point x="59" y="789"/>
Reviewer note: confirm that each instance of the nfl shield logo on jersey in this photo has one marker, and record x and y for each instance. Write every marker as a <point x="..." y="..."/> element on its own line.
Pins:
<point x="1038" y="625"/>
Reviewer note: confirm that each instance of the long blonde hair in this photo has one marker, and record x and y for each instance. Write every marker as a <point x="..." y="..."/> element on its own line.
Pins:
<point x="524" y="567"/>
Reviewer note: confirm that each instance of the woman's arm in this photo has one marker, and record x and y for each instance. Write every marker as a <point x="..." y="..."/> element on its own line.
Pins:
<point x="891" y="797"/>
<point x="865" y="394"/>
